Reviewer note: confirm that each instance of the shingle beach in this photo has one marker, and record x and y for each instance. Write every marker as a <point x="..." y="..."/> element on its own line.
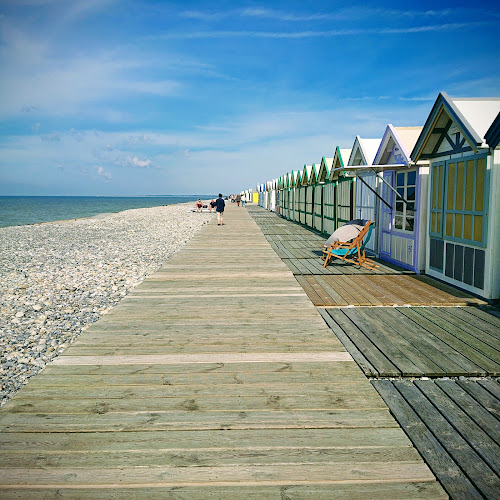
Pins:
<point x="56" y="278"/>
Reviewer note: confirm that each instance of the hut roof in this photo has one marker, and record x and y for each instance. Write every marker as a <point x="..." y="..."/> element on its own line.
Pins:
<point x="396" y="145"/>
<point x="470" y="117"/>
<point x="324" y="169"/>
<point x="363" y="151"/>
<point x="492" y="136"/>
<point x="306" y="175"/>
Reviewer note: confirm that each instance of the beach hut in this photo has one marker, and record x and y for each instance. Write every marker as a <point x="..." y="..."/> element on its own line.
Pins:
<point x="293" y="196"/>
<point x="300" y="194"/>
<point x="367" y="183"/>
<point x="261" y="194"/>
<point x="338" y="193"/>
<point x="403" y="205"/>
<point x="463" y="240"/>
<point x="308" y="181"/>
<point x="322" y="178"/>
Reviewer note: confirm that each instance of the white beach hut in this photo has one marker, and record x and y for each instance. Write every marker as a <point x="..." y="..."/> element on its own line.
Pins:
<point x="403" y="207"/>
<point x="460" y="140"/>
<point x="367" y="183"/>
<point x="322" y="178"/>
<point x="308" y="181"/>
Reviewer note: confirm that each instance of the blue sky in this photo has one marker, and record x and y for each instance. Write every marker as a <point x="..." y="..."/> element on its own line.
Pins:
<point x="137" y="97"/>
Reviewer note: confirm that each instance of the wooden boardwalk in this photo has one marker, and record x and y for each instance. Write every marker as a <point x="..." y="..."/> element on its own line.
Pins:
<point x="215" y="378"/>
<point x="455" y="424"/>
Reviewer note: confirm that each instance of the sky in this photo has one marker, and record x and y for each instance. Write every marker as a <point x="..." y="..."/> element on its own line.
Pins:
<point x="143" y="97"/>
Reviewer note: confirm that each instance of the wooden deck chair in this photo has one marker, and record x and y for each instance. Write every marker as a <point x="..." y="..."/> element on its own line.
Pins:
<point x="352" y="251"/>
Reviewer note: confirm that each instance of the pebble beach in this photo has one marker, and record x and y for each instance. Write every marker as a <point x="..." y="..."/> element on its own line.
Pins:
<point x="57" y="278"/>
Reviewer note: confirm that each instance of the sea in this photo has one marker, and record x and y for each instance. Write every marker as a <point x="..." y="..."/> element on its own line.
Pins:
<point x="23" y="210"/>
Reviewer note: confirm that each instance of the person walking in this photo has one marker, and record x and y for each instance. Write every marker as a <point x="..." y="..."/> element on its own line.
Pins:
<point x="219" y="208"/>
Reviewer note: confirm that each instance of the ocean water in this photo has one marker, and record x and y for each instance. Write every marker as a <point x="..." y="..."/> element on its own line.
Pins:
<point x="22" y="210"/>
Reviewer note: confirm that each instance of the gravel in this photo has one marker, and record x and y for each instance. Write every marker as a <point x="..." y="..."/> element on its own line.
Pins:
<point x="57" y="278"/>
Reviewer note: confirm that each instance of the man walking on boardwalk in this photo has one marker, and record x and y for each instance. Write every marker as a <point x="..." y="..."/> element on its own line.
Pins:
<point x="219" y="208"/>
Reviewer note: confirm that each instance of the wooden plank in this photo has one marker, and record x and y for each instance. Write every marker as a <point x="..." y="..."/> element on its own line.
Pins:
<point x="480" y="415"/>
<point x="311" y="292"/>
<point x="479" y="440"/>
<point x="481" y="395"/>
<point x="348" y="295"/>
<point x="325" y="298"/>
<point x="95" y="442"/>
<point x="433" y="356"/>
<point x="382" y="364"/>
<point x="358" y="356"/>
<point x="488" y="337"/>
<point x="470" y="346"/>
<point x="446" y="343"/>
<point x="480" y="474"/>
<point x="163" y="420"/>
<point x="402" y="490"/>
<point x="475" y="316"/>
<point x="332" y="292"/>
<point x="492" y="386"/>
<point x="394" y="349"/>
<point x="213" y="457"/>
<point x="173" y="476"/>
<point x="451" y="476"/>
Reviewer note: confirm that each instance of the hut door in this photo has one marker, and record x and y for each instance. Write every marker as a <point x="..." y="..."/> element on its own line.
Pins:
<point x="387" y="215"/>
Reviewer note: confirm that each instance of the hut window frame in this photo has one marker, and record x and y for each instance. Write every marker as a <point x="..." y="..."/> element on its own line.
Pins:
<point x="462" y="220"/>
<point x="404" y="220"/>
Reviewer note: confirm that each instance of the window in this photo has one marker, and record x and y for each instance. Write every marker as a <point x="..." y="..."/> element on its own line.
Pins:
<point x="465" y="200"/>
<point x="404" y="217"/>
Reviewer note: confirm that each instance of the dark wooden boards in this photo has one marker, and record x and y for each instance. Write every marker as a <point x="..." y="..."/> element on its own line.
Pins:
<point x="418" y="341"/>
<point x="454" y="430"/>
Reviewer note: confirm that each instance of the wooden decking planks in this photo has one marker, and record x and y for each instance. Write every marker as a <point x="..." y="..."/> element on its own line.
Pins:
<point x="216" y="377"/>
<point x="418" y="341"/>
<point x="455" y="426"/>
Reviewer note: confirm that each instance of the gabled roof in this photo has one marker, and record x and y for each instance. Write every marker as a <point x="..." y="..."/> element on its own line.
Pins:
<point x="306" y="175"/>
<point x="298" y="178"/>
<point x="314" y="173"/>
<point x="469" y="118"/>
<point x="324" y="169"/>
<point x="492" y="136"/>
<point x="339" y="161"/>
<point x="396" y="145"/>
<point x="363" y="151"/>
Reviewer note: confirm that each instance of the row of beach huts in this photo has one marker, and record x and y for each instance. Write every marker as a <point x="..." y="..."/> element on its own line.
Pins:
<point x="433" y="193"/>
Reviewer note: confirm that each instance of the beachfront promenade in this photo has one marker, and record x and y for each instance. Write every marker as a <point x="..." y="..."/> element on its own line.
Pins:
<point x="215" y="378"/>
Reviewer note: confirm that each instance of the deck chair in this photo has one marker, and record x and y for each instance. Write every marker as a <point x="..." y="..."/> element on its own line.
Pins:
<point x="352" y="251"/>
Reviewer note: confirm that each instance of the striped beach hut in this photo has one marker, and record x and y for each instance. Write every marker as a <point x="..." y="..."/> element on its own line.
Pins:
<point x="367" y="185"/>
<point x="338" y="193"/>
<point x="295" y="178"/>
<point x="300" y="193"/>
<point x="322" y="177"/>
<point x="309" y="181"/>
<point x="460" y="140"/>
<point x="403" y="205"/>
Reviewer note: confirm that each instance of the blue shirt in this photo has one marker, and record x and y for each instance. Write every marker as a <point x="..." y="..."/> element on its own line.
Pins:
<point x="220" y="205"/>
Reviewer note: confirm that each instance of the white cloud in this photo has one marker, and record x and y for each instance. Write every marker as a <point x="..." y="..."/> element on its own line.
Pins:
<point x="102" y="173"/>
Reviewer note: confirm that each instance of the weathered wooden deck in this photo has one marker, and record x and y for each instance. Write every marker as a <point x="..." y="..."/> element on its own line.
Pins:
<point x="215" y="378"/>
<point x="455" y="424"/>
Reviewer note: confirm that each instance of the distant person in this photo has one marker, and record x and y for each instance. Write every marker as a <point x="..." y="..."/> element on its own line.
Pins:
<point x="199" y="205"/>
<point x="219" y="208"/>
<point x="238" y="199"/>
<point x="212" y="205"/>
<point x="243" y="199"/>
